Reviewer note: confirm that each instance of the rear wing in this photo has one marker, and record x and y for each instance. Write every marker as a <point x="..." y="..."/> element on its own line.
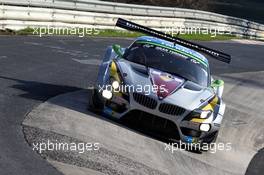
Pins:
<point x="139" y="28"/>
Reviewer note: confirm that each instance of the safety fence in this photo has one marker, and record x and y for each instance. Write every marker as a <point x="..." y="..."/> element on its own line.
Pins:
<point x="19" y="14"/>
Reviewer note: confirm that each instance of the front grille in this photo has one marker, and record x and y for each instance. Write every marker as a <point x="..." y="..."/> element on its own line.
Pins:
<point x="144" y="100"/>
<point x="151" y="124"/>
<point x="171" y="109"/>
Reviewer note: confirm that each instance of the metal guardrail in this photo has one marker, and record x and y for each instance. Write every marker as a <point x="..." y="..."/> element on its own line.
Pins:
<point x="17" y="14"/>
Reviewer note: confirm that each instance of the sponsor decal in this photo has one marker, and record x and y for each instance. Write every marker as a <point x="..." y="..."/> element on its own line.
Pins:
<point x="169" y="82"/>
<point x="180" y="50"/>
<point x="190" y="139"/>
<point x="109" y="111"/>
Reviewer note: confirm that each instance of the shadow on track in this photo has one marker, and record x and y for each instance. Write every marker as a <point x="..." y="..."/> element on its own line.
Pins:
<point x="37" y="90"/>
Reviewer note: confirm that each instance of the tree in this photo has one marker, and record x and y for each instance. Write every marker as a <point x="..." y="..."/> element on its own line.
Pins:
<point x="192" y="4"/>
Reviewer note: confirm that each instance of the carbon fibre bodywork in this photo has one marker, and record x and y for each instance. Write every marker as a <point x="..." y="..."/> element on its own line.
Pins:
<point x="179" y="107"/>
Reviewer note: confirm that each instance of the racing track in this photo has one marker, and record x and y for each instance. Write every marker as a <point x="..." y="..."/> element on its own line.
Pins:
<point x="32" y="70"/>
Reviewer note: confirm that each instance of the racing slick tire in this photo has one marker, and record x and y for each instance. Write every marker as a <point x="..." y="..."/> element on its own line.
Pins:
<point x="210" y="140"/>
<point x="95" y="104"/>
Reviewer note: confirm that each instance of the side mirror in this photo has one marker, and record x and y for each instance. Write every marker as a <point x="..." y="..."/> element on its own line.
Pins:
<point x="118" y="50"/>
<point x="218" y="85"/>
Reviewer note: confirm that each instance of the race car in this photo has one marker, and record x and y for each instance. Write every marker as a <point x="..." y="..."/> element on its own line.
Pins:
<point x="164" y="82"/>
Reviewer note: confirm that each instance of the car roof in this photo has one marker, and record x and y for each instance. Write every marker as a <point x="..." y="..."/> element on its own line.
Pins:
<point x="176" y="47"/>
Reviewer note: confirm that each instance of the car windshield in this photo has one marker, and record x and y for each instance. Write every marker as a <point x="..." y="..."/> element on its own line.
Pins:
<point x="169" y="61"/>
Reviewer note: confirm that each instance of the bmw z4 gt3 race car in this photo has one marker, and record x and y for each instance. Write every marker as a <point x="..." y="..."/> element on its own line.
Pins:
<point x="163" y="81"/>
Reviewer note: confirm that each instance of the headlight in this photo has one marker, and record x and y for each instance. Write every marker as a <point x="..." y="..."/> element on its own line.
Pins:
<point x="200" y="114"/>
<point x="115" y="85"/>
<point x="107" y="94"/>
<point x="205" y="127"/>
<point x="205" y="114"/>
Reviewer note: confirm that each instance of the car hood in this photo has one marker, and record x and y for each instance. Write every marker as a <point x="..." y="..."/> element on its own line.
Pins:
<point x="176" y="90"/>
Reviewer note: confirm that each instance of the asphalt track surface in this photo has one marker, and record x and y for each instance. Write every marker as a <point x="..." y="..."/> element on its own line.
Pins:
<point x="33" y="70"/>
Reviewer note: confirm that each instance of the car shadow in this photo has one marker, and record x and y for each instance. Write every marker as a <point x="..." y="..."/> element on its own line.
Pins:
<point x="37" y="90"/>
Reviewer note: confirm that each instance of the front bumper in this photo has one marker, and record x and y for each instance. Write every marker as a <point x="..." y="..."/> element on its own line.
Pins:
<point x="186" y="130"/>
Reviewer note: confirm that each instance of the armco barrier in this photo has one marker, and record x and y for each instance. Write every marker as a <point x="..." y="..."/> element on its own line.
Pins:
<point x="18" y="14"/>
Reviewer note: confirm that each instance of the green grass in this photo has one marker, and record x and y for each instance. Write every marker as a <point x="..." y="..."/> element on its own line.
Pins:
<point x="119" y="33"/>
<point x="26" y="31"/>
<point x="123" y="33"/>
<point x="199" y="37"/>
<point x="207" y="37"/>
